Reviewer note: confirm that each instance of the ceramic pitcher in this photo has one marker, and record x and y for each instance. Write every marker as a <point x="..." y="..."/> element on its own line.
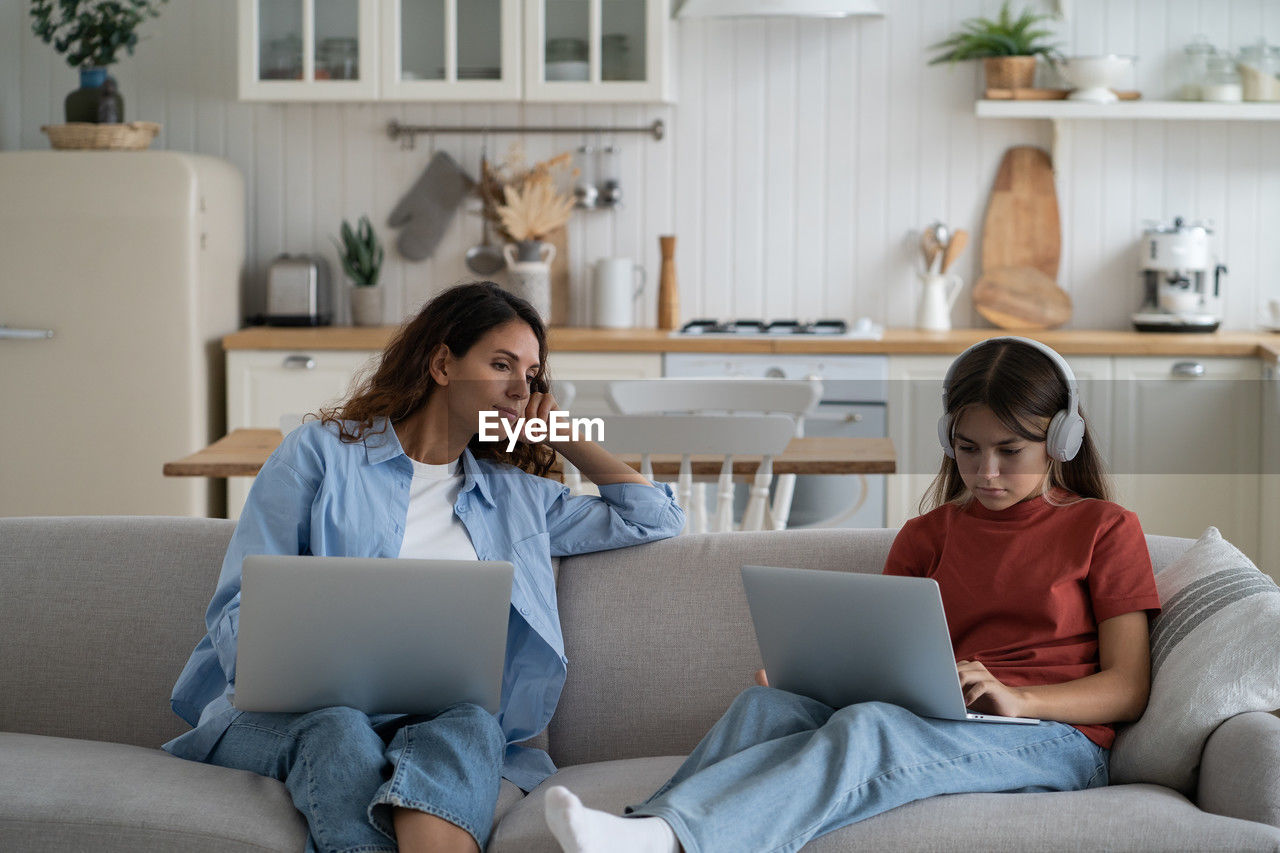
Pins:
<point x="529" y="273"/>
<point x="938" y="295"/>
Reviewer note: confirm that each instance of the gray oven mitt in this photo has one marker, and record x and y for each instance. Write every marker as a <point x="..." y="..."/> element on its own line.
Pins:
<point x="427" y="209"/>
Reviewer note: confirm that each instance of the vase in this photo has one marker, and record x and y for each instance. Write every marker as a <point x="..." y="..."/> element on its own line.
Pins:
<point x="81" y="104"/>
<point x="529" y="273"/>
<point x="366" y="305"/>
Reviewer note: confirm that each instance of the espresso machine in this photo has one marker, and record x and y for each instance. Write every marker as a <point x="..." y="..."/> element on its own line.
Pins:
<point x="1182" y="281"/>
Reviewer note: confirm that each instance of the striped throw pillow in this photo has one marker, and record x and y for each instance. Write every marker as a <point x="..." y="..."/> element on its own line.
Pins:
<point x="1215" y="653"/>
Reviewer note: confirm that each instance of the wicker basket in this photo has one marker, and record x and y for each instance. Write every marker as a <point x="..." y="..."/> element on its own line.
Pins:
<point x="134" y="136"/>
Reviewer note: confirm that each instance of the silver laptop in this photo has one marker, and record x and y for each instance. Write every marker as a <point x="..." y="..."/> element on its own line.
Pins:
<point x="379" y="635"/>
<point x="843" y="638"/>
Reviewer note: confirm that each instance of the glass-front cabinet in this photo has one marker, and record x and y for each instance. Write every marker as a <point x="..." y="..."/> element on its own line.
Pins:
<point x="597" y="50"/>
<point x="308" y="50"/>
<point x="451" y="50"/>
<point x="568" y="51"/>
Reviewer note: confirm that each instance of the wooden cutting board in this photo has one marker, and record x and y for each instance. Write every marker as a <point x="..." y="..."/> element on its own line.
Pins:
<point x="1021" y="298"/>
<point x="1021" y="228"/>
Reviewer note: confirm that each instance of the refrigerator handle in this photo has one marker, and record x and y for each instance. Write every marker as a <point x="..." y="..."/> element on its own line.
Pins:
<point x="24" y="334"/>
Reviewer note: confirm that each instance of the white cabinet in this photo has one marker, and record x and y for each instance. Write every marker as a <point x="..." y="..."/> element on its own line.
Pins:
<point x="1269" y="522"/>
<point x="264" y="386"/>
<point x="597" y="50"/>
<point x="569" y="51"/>
<point x="308" y="50"/>
<point x="1188" y="445"/>
<point x="451" y="50"/>
<point x="915" y="404"/>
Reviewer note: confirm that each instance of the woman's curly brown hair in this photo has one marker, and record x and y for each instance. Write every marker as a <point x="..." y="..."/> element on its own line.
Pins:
<point x="401" y="382"/>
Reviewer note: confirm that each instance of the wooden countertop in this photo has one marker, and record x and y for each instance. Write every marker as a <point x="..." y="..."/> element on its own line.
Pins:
<point x="1262" y="345"/>
<point x="242" y="452"/>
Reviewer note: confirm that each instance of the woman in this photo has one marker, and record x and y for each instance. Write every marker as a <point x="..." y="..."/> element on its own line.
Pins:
<point x="398" y="470"/>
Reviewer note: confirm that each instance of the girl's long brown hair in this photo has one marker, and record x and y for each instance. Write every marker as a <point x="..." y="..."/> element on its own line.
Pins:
<point x="1023" y="389"/>
<point x="401" y="383"/>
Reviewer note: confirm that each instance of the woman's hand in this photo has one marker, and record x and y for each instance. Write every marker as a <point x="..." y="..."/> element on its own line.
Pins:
<point x="540" y="405"/>
<point x="986" y="694"/>
<point x="762" y="678"/>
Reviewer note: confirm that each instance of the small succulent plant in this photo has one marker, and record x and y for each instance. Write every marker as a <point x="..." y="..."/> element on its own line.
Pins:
<point x="361" y="252"/>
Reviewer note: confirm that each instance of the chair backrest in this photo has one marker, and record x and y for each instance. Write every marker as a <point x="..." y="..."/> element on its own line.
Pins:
<point x="564" y="391"/>
<point x="728" y="395"/>
<point x="722" y="436"/>
<point x="795" y="397"/>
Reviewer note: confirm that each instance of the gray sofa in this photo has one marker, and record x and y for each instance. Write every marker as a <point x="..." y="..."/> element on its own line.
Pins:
<point x="99" y="615"/>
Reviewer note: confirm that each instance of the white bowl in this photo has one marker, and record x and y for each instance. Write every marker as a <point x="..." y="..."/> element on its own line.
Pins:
<point x="570" y="69"/>
<point x="1093" y="77"/>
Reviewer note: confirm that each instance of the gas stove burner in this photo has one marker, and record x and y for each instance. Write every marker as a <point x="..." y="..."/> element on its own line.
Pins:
<point x="759" y="327"/>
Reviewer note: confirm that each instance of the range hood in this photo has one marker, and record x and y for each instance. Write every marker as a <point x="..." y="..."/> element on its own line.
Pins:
<point x="777" y="8"/>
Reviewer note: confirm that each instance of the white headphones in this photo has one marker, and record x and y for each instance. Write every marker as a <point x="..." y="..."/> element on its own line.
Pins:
<point x="1066" y="429"/>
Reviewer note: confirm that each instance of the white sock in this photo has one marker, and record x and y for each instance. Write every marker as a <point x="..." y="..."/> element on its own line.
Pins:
<point x="583" y="830"/>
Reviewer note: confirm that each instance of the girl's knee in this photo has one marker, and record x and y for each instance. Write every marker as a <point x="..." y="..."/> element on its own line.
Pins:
<point x="335" y="724"/>
<point x="757" y="698"/>
<point x="476" y="718"/>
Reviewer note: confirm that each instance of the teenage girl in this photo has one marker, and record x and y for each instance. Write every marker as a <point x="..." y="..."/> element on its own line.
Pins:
<point x="398" y="471"/>
<point x="1047" y="588"/>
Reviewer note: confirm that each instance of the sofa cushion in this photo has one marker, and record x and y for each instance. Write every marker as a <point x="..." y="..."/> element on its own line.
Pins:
<point x="108" y="610"/>
<point x="1215" y="653"/>
<point x="66" y="794"/>
<point x="1119" y="818"/>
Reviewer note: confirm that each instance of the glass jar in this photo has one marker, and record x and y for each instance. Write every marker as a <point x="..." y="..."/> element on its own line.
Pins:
<point x="1259" y="67"/>
<point x="1222" y="80"/>
<point x="1195" y="66"/>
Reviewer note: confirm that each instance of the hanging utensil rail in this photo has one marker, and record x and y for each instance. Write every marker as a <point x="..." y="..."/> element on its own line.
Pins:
<point x="407" y="133"/>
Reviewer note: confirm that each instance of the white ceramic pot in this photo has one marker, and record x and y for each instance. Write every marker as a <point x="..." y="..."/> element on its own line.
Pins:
<point x="529" y="273"/>
<point x="366" y="306"/>
<point x="939" y="294"/>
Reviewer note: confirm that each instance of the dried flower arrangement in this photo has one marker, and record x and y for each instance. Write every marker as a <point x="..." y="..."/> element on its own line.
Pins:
<point x="525" y="202"/>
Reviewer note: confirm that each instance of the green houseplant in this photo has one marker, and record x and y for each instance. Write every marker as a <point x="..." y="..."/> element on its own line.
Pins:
<point x="1008" y="46"/>
<point x="92" y="34"/>
<point x="361" y="254"/>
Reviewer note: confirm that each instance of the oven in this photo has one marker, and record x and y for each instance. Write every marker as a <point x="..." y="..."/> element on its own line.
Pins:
<point x="854" y="398"/>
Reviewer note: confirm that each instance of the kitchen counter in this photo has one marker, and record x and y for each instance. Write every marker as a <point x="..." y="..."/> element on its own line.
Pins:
<point x="1261" y="345"/>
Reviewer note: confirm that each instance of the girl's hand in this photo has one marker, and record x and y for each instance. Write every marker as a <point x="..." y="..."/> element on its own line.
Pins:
<point x="986" y="694"/>
<point x="762" y="678"/>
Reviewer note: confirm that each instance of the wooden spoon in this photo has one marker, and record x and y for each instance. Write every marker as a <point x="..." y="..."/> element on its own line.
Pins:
<point x="954" y="247"/>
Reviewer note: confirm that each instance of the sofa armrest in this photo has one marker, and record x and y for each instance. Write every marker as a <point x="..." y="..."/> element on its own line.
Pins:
<point x="1240" y="769"/>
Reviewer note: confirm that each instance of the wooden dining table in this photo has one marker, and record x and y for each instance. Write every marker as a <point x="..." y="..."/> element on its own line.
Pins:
<point x="242" y="452"/>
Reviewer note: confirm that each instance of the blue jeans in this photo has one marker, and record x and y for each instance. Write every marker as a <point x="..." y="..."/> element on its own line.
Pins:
<point x="345" y="772"/>
<point x="778" y="769"/>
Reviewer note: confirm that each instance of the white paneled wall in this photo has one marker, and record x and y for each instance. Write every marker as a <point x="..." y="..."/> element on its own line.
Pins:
<point x="800" y="157"/>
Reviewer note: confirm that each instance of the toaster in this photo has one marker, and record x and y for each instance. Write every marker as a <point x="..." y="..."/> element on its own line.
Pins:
<point x="298" y="291"/>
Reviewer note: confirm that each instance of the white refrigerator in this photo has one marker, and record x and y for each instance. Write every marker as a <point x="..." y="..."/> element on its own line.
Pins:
<point x="119" y="274"/>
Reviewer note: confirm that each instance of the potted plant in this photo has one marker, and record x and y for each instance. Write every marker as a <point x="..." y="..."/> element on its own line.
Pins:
<point x="361" y="255"/>
<point x="92" y="33"/>
<point x="529" y="210"/>
<point x="1007" y="45"/>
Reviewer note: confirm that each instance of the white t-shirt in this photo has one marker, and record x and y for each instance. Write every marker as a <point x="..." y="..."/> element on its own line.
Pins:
<point x="432" y="530"/>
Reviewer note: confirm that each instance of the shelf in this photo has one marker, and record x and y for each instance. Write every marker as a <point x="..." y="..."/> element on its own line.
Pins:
<point x="1130" y="110"/>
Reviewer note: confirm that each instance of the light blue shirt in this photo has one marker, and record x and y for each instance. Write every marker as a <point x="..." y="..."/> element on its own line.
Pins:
<point x="317" y="495"/>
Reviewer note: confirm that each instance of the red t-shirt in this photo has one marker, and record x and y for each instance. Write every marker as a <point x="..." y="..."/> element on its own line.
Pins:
<point x="1025" y="588"/>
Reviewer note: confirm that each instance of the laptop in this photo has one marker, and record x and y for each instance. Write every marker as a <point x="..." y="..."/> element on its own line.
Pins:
<point x="844" y="637"/>
<point x="379" y="635"/>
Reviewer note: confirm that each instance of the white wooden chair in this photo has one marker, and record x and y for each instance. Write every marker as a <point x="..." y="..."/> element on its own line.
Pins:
<point x="730" y="396"/>
<point x="723" y="436"/>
